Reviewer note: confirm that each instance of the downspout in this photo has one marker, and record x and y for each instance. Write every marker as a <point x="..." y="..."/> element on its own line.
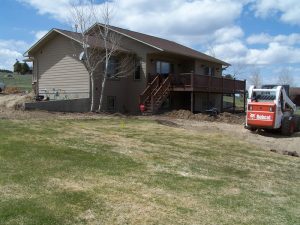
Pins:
<point x="224" y="68"/>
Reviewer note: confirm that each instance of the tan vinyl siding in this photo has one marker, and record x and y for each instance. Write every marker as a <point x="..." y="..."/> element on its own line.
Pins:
<point x="126" y="89"/>
<point x="61" y="74"/>
<point x="200" y="67"/>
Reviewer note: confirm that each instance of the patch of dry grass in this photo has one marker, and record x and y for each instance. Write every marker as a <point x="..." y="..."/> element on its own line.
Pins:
<point x="14" y="101"/>
<point x="112" y="170"/>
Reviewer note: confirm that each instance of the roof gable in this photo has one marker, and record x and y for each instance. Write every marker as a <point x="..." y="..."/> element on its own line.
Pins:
<point x="72" y="35"/>
<point x="77" y="37"/>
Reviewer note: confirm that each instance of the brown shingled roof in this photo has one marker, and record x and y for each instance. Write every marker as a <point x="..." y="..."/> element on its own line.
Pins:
<point x="166" y="45"/>
<point x="155" y="42"/>
<point x="92" y="41"/>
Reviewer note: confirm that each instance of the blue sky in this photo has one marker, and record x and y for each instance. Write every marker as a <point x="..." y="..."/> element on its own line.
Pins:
<point x="260" y="36"/>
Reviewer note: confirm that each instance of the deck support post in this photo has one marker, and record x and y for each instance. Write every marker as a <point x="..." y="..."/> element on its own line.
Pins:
<point x="192" y="102"/>
<point x="222" y="99"/>
<point x="208" y="106"/>
<point x="234" y="97"/>
<point x="245" y="96"/>
<point x="234" y="102"/>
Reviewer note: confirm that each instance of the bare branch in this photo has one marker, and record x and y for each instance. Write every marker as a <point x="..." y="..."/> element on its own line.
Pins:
<point x="211" y="50"/>
<point x="238" y="69"/>
<point x="285" y="78"/>
<point x="99" y="43"/>
<point x="255" y="77"/>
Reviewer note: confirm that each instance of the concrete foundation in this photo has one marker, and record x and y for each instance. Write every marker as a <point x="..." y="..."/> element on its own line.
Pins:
<point x="74" y="105"/>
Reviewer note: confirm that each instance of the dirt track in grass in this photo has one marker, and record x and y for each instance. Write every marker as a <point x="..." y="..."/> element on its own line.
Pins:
<point x="268" y="141"/>
<point x="225" y="124"/>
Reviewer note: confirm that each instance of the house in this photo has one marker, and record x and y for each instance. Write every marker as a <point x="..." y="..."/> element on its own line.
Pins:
<point x="295" y="95"/>
<point x="167" y="72"/>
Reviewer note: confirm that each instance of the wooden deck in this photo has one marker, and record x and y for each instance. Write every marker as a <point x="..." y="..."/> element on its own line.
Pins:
<point x="188" y="84"/>
<point x="201" y="83"/>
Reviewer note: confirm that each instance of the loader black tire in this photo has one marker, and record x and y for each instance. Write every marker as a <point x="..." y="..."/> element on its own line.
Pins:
<point x="297" y="123"/>
<point x="288" y="126"/>
<point x="252" y="129"/>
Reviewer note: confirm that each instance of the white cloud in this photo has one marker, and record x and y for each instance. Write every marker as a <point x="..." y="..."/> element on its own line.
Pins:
<point x="232" y="52"/>
<point x="192" y="23"/>
<point x="171" y="19"/>
<point x="196" y="19"/>
<point x="39" y="34"/>
<point x="274" y="53"/>
<point x="10" y="50"/>
<point x="58" y="9"/>
<point x="228" y="34"/>
<point x="263" y="38"/>
<point x="8" y="58"/>
<point x="289" y="10"/>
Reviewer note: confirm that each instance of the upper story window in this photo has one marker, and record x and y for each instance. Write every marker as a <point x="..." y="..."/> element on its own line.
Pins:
<point x="112" y="69"/>
<point x="137" y="72"/>
<point x="164" y="67"/>
<point x="210" y="71"/>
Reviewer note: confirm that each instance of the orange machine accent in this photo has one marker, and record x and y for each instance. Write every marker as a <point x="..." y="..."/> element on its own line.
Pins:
<point x="259" y="114"/>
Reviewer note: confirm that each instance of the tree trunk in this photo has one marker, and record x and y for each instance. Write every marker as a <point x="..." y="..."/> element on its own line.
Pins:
<point x="92" y="92"/>
<point x="102" y="93"/>
<point x="104" y="79"/>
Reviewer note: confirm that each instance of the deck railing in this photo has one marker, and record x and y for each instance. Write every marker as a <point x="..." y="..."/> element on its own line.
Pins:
<point x="206" y="83"/>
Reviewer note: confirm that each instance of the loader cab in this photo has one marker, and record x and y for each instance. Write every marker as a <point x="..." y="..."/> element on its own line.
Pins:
<point x="270" y="108"/>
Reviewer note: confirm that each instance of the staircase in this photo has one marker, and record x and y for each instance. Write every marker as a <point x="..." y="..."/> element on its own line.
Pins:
<point x="155" y="94"/>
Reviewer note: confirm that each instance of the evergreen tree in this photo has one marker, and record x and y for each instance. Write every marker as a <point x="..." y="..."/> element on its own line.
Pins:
<point x="229" y="76"/>
<point x="17" y="67"/>
<point x="24" y="68"/>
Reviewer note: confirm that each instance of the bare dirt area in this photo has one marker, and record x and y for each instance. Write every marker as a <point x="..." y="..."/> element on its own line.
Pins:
<point x="223" y="117"/>
<point x="233" y="125"/>
<point x="225" y="123"/>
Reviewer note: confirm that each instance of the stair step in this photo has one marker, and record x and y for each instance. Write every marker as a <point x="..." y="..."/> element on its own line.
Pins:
<point x="151" y="109"/>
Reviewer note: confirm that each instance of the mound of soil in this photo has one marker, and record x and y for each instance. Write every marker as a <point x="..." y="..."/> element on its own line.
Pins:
<point x="15" y="101"/>
<point x="222" y="117"/>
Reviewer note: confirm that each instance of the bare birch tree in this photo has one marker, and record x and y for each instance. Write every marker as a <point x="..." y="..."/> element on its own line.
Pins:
<point x="83" y="15"/>
<point x="255" y="77"/>
<point x="126" y="61"/>
<point x="211" y="50"/>
<point x="100" y="45"/>
<point x="285" y="78"/>
<point x="238" y="69"/>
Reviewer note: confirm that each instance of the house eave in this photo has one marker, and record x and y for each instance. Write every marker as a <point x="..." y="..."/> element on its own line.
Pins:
<point x="126" y="35"/>
<point x="27" y="53"/>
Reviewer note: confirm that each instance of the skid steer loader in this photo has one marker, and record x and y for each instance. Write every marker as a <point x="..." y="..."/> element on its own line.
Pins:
<point x="271" y="109"/>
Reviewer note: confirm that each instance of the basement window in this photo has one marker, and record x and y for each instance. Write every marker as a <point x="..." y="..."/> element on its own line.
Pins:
<point x="111" y="103"/>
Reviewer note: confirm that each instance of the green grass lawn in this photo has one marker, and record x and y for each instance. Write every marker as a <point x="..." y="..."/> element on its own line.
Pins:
<point x="23" y="82"/>
<point x="228" y="101"/>
<point x="130" y="171"/>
